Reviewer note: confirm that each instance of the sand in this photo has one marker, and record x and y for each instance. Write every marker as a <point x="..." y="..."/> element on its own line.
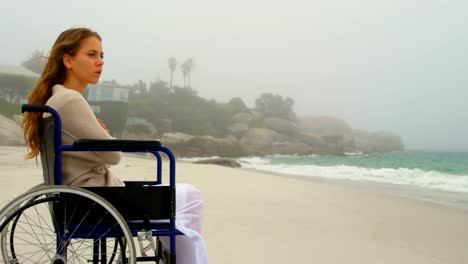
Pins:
<point x="254" y="217"/>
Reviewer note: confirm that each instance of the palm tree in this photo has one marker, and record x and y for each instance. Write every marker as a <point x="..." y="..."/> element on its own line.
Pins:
<point x="187" y="67"/>
<point x="172" y="66"/>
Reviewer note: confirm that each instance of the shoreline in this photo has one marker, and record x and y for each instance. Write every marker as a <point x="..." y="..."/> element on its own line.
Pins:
<point x="262" y="217"/>
<point x="457" y="200"/>
<point x="451" y="199"/>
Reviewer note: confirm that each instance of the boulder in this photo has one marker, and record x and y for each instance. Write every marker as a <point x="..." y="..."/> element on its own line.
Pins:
<point x="244" y="118"/>
<point x="313" y="140"/>
<point x="238" y="129"/>
<point x="201" y="146"/>
<point x="220" y="161"/>
<point x="282" y="126"/>
<point x="334" y="145"/>
<point x="325" y="125"/>
<point x="230" y="147"/>
<point x="184" y="145"/>
<point x="291" y="148"/>
<point x="177" y="142"/>
<point x="259" y="141"/>
<point x="175" y="138"/>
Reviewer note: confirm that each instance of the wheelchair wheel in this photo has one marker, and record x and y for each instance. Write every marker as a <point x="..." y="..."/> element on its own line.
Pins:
<point x="60" y="224"/>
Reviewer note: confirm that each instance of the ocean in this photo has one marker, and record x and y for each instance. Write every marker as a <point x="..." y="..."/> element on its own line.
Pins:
<point x="435" y="176"/>
<point x="432" y="170"/>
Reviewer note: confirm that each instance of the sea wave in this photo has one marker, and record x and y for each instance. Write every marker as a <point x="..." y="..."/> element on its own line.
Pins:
<point x="403" y="176"/>
<point x="195" y="159"/>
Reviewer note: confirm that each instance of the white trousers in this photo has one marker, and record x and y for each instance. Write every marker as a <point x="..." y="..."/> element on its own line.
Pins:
<point x="190" y="248"/>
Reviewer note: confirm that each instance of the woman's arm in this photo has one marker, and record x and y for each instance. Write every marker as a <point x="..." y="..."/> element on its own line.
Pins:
<point x="79" y="122"/>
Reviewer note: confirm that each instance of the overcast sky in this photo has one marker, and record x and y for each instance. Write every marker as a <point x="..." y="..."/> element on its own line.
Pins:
<point x="396" y="65"/>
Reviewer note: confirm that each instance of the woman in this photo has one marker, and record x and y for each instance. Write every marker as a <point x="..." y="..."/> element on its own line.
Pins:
<point x="76" y="60"/>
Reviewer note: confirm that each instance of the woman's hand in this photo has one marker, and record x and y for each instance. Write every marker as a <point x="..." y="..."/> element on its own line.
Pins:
<point x="103" y="126"/>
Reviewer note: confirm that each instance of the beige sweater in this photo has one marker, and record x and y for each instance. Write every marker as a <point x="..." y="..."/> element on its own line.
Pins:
<point x="79" y="122"/>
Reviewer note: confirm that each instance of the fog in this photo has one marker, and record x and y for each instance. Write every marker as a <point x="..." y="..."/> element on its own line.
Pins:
<point x="389" y="65"/>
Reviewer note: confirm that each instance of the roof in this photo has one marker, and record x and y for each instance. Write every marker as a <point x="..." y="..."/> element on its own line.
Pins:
<point x="17" y="70"/>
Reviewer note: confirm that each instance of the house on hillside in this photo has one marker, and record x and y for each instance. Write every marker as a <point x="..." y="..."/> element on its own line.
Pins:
<point x="109" y="102"/>
<point x="17" y="70"/>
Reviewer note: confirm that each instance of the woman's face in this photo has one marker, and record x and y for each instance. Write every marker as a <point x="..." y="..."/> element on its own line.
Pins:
<point x="85" y="67"/>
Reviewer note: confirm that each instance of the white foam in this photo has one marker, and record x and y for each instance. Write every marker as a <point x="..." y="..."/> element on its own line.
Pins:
<point x="413" y="177"/>
<point x="195" y="159"/>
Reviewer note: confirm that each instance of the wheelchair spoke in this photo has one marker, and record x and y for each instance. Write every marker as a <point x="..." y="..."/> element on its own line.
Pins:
<point x="90" y="232"/>
<point x="39" y="225"/>
<point x="40" y="217"/>
<point x="32" y="223"/>
<point x="32" y="229"/>
<point x="76" y="256"/>
<point x="31" y="244"/>
<point x="83" y="246"/>
<point x="32" y="254"/>
<point x="29" y="255"/>
<point x="63" y="223"/>
<point x="77" y="226"/>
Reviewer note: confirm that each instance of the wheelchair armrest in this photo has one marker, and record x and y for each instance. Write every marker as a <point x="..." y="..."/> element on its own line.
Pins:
<point x="117" y="144"/>
<point x="34" y="108"/>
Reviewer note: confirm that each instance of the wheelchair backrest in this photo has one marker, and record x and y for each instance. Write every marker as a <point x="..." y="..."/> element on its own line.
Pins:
<point x="48" y="151"/>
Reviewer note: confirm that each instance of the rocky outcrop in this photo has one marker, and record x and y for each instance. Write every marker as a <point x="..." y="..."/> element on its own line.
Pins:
<point x="202" y="146"/>
<point x="313" y="140"/>
<point x="282" y="126"/>
<point x="258" y="141"/>
<point x="177" y="142"/>
<point x="324" y="125"/>
<point x="238" y="129"/>
<point x="220" y="161"/>
<point x="244" y="118"/>
<point x="175" y="138"/>
<point x="230" y="147"/>
<point x="329" y="135"/>
<point x="251" y="134"/>
<point x="285" y="148"/>
<point x="184" y="145"/>
<point x="370" y="142"/>
<point x="11" y="133"/>
<point x="310" y="135"/>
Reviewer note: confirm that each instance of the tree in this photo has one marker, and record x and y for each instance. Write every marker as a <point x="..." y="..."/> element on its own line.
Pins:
<point x="15" y="87"/>
<point x="187" y="68"/>
<point x="35" y="62"/>
<point x="140" y="86"/>
<point x="114" y="115"/>
<point x="172" y="66"/>
<point x="135" y="89"/>
<point x="273" y="105"/>
<point x="159" y="88"/>
<point x="237" y="105"/>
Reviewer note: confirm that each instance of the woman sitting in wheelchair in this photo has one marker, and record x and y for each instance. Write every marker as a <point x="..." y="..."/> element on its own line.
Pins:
<point x="76" y="60"/>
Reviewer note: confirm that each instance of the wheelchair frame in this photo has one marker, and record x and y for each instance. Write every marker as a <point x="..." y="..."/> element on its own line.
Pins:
<point x="56" y="198"/>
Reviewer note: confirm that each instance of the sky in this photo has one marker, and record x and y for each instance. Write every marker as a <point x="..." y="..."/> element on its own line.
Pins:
<point x="392" y="65"/>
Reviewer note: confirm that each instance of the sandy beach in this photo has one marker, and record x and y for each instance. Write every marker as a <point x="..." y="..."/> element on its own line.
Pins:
<point x="254" y="217"/>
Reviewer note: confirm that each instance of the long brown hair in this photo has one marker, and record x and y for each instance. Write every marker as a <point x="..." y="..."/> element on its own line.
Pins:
<point x="54" y="73"/>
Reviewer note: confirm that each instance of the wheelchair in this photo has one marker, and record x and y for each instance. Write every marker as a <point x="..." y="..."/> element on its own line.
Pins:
<point x="58" y="224"/>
